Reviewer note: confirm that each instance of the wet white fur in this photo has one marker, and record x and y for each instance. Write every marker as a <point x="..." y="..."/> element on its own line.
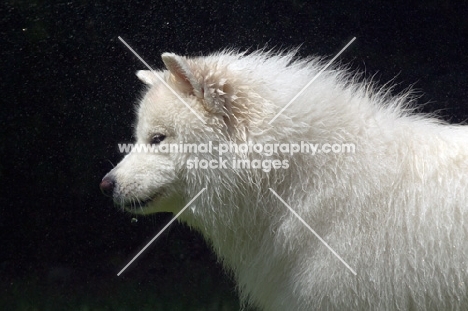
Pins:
<point x="395" y="210"/>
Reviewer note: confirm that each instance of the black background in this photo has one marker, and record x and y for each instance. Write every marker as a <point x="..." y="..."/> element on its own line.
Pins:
<point x="68" y="96"/>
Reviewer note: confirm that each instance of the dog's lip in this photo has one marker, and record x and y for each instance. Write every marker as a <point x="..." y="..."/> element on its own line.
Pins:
<point x="137" y="204"/>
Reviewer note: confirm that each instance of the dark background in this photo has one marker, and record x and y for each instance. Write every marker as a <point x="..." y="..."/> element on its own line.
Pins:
<point x="68" y="96"/>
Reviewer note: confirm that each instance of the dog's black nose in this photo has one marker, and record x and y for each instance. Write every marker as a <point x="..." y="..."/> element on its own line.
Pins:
<point x="107" y="186"/>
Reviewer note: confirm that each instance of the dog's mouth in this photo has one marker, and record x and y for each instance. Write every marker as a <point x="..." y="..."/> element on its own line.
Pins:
<point x="163" y="200"/>
<point x="139" y="206"/>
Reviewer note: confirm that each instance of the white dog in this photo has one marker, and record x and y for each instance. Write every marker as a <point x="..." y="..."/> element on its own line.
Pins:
<point x="384" y="188"/>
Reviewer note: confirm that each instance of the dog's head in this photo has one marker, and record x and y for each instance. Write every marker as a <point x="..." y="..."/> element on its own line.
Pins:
<point x="191" y="102"/>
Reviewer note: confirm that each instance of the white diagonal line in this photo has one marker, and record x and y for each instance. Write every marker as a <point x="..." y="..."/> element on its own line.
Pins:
<point x="311" y="230"/>
<point x="161" y="79"/>
<point x="311" y="81"/>
<point x="160" y="232"/>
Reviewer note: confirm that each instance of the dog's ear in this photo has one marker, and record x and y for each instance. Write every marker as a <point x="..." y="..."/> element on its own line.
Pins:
<point x="193" y="78"/>
<point x="183" y="74"/>
<point x="147" y="76"/>
<point x="209" y="83"/>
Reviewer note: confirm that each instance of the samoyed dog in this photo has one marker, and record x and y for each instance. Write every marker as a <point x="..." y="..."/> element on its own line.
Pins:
<point x="345" y="200"/>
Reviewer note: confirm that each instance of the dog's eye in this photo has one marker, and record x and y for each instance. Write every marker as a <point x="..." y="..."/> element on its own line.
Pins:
<point x="156" y="139"/>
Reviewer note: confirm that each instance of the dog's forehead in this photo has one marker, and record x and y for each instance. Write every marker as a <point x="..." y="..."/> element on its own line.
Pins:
<point x="156" y="101"/>
<point x="156" y="110"/>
